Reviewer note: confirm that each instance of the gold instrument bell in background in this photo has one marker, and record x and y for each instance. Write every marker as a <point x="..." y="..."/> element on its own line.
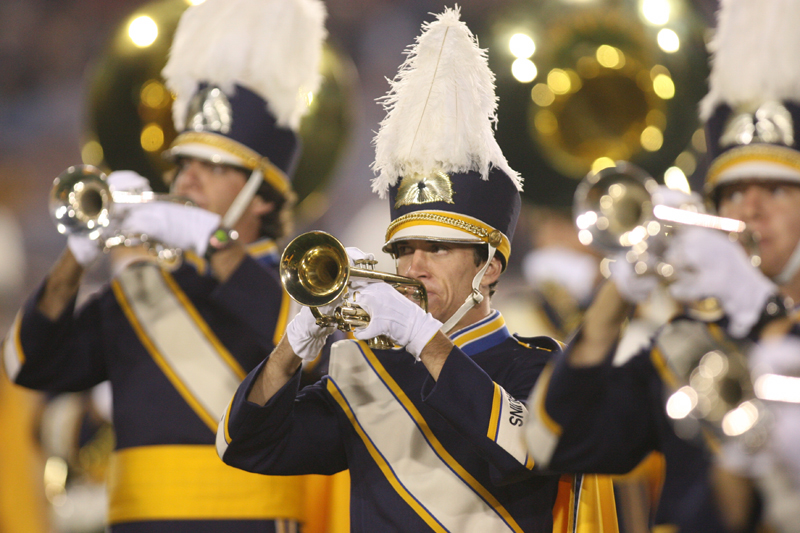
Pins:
<point x="128" y="119"/>
<point x="584" y="84"/>
<point x="315" y="271"/>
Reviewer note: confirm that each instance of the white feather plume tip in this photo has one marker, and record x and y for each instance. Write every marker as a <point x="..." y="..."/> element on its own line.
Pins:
<point x="272" y="47"/>
<point x="756" y="53"/>
<point x="441" y="109"/>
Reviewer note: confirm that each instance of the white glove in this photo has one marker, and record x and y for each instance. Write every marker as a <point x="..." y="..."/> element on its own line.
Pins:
<point x="128" y="181"/>
<point x="185" y="227"/>
<point x="397" y="317"/>
<point x="305" y="336"/>
<point x="633" y="287"/>
<point x="708" y="264"/>
<point x="84" y="250"/>
<point x="677" y="199"/>
<point x="354" y="254"/>
<point x="573" y="270"/>
<point x="358" y="283"/>
<point x="779" y="355"/>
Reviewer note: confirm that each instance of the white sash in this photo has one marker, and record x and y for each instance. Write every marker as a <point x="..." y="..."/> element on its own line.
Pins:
<point x="417" y="465"/>
<point x="179" y="340"/>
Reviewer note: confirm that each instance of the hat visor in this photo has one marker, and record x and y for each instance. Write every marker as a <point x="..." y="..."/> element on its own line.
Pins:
<point x="425" y="232"/>
<point x="752" y="163"/>
<point x="758" y="170"/>
<point x="205" y="152"/>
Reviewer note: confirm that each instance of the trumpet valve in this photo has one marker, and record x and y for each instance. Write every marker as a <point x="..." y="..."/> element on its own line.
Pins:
<point x="351" y="316"/>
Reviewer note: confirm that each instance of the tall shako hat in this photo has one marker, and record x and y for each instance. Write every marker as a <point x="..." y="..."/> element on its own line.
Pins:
<point x="241" y="71"/>
<point x="752" y="110"/>
<point x="436" y="154"/>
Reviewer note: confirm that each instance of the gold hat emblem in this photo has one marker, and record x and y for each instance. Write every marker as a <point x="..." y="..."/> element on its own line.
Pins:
<point x="424" y="189"/>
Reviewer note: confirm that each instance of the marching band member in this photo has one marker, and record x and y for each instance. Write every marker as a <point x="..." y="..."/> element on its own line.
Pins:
<point x="590" y="415"/>
<point x="430" y="430"/>
<point x="175" y="343"/>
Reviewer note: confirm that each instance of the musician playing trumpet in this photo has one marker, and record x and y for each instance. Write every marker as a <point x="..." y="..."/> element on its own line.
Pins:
<point x="430" y="429"/>
<point x="593" y="415"/>
<point x="175" y="343"/>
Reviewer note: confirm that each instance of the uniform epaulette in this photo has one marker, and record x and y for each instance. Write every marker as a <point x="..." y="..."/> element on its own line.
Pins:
<point x="541" y="342"/>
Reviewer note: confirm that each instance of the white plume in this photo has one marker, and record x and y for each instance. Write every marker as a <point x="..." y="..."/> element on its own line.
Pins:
<point x="272" y="47"/>
<point x="441" y="109"/>
<point x="756" y="54"/>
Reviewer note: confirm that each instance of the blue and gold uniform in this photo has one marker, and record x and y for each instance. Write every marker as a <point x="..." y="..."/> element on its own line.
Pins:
<point x="443" y="455"/>
<point x="165" y="474"/>
<point x="608" y="418"/>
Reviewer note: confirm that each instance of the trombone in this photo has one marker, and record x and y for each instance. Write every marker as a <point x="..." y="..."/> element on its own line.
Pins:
<point x="315" y="271"/>
<point x="82" y="203"/>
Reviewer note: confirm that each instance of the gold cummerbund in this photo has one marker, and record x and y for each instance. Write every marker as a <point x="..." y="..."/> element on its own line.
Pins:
<point x="192" y="483"/>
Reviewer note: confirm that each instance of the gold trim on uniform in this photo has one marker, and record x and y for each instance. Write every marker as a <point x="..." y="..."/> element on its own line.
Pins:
<point x="189" y="482"/>
<point x="470" y="225"/>
<point x="767" y="153"/>
<point x="250" y="158"/>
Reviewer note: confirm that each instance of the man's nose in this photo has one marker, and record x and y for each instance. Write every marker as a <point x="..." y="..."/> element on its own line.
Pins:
<point x="416" y="265"/>
<point x="753" y="201"/>
<point x="187" y="176"/>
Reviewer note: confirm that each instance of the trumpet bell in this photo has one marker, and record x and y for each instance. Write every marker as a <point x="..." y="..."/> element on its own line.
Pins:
<point x="315" y="269"/>
<point x="80" y="201"/>
<point x="612" y="205"/>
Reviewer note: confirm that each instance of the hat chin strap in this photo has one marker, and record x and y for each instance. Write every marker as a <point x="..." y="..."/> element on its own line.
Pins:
<point x="791" y="268"/>
<point x="474" y="298"/>
<point x="242" y="200"/>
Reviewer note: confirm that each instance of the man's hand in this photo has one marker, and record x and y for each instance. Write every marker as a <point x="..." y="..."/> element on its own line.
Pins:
<point x="86" y="250"/>
<point x="707" y="264"/>
<point x="305" y="336"/>
<point x="185" y="227"/>
<point x="633" y="287"/>
<point x="395" y="316"/>
<point x="128" y="181"/>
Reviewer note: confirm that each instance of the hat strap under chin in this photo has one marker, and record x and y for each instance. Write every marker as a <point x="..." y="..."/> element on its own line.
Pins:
<point x="242" y="200"/>
<point x="791" y="268"/>
<point x="474" y="298"/>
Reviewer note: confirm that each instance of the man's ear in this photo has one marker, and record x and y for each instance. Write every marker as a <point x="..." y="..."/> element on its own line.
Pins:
<point x="493" y="272"/>
<point x="261" y="207"/>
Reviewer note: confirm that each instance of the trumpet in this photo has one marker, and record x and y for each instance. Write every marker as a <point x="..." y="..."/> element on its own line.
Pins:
<point x="615" y="211"/>
<point x="82" y="203"/>
<point x="315" y="271"/>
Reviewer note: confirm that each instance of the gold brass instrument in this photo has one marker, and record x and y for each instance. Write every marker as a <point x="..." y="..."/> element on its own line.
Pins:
<point x="315" y="271"/>
<point x="615" y="211"/>
<point x="82" y="203"/>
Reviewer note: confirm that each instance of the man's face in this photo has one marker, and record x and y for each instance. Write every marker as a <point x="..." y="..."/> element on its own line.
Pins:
<point x="212" y="187"/>
<point x="445" y="269"/>
<point x="772" y="211"/>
